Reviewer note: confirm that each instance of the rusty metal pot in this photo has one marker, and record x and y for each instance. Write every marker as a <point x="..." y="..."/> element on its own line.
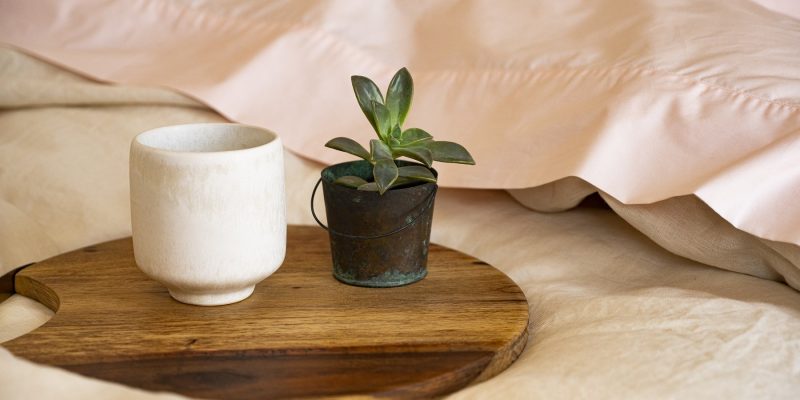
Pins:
<point x="377" y="240"/>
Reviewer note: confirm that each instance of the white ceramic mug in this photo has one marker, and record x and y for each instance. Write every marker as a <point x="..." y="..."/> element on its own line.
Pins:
<point x="208" y="209"/>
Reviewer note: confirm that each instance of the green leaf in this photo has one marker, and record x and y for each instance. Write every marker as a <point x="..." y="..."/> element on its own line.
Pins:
<point x="416" y="172"/>
<point x="414" y="136"/>
<point x="348" y="145"/>
<point x="350" y="181"/>
<point x="450" y="152"/>
<point x="382" y="120"/>
<point x="418" y="153"/>
<point x="385" y="173"/>
<point x="369" y="187"/>
<point x="400" y="181"/>
<point x="399" y="94"/>
<point x="394" y="137"/>
<point x="403" y="181"/>
<point x="380" y="151"/>
<point x="366" y="92"/>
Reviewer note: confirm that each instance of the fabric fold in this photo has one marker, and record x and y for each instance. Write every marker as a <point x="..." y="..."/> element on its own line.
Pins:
<point x="611" y="310"/>
<point x="645" y="101"/>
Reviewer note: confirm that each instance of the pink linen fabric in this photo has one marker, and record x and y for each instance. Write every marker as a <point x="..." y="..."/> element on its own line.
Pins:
<point x="611" y="310"/>
<point x="786" y="7"/>
<point x="646" y="100"/>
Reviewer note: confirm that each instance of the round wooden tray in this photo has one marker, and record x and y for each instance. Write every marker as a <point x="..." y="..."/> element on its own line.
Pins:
<point x="302" y="333"/>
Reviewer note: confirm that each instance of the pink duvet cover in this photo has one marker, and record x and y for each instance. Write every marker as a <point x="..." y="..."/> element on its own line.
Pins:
<point x="645" y="100"/>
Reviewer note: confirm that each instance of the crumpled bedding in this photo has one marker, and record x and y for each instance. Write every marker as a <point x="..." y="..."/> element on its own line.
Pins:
<point x="613" y="314"/>
<point x="645" y="99"/>
<point x="683" y="225"/>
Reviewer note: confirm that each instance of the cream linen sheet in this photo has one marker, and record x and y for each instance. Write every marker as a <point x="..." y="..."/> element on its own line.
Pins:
<point x="613" y="315"/>
<point x="645" y="99"/>
<point x="683" y="225"/>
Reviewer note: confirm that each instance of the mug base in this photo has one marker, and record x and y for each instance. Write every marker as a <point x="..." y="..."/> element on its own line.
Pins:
<point x="213" y="298"/>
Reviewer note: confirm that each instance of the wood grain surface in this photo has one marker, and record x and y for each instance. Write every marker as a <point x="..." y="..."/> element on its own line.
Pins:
<point x="7" y="283"/>
<point x="301" y="334"/>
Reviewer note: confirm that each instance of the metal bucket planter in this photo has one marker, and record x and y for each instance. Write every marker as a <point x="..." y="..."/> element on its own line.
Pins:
<point x="377" y="240"/>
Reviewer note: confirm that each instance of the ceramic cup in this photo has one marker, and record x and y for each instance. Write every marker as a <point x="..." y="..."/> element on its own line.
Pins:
<point x="208" y="209"/>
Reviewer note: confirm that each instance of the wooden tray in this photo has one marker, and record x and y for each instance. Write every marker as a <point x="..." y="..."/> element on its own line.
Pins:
<point x="302" y="333"/>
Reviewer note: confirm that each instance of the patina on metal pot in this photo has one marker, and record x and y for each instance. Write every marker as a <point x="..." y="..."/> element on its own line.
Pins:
<point x="377" y="240"/>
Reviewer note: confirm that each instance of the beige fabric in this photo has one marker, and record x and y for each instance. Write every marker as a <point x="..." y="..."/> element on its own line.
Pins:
<point x="645" y="99"/>
<point x="683" y="225"/>
<point x="560" y="195"/>
<point x="689" y="228"/>
<point x="613" y="315"/>
<point x="41" y="84"/>
<point x="20" y="315"/>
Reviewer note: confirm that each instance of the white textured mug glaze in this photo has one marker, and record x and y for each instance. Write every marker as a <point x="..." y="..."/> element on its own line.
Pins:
<point x="208" y="209"/>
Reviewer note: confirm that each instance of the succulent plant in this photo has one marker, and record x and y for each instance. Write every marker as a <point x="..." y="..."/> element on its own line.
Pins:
<point x="387" y="117"/>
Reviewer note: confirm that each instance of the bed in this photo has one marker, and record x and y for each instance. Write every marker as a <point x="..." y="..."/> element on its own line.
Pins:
<point x="644" y="196"/>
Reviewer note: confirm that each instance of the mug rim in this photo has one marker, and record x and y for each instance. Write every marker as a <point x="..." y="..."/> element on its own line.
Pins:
<point x="275" y="140"/>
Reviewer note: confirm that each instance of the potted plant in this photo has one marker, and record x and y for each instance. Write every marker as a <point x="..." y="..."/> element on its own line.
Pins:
<point x="380" y="208"/>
